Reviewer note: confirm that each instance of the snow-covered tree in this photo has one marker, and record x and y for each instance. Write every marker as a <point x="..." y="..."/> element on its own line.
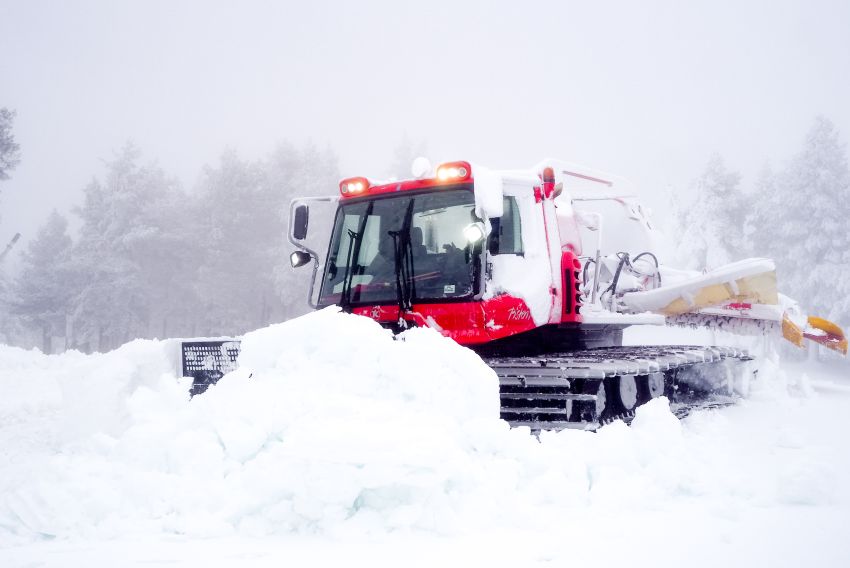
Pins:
<point x="244" y="280"/>
<point x="802" y="221"/>
<point x="41" y="293"/>
<point x="8" y="324"/>
<point x="239" y="217"/>
<point x="128" y="255"/>
<point x="9" y="149"/>
<point x="711" y="227"/>
<point x="760" y="239"/>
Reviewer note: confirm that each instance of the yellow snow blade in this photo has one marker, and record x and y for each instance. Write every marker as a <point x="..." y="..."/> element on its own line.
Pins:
<point x="829" y="334"/>
<point x="821" y="331"/>
<point x="792" y="332"/>
<point x="756" y="289"/>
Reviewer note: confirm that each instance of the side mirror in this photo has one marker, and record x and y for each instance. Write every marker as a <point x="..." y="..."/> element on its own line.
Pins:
<point x="299" y="226"/>
<point x="299" y="258"/>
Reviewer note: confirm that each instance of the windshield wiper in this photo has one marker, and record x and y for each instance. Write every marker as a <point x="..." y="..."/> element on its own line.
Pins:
<point x="354" y="242"/>
<point x="405" y="286"/>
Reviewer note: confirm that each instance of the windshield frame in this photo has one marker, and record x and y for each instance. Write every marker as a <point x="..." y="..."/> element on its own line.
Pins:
<point x="476" y="275"/>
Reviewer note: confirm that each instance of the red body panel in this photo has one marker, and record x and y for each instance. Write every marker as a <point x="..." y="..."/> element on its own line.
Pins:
<point x="570" y="271"/>
<point x="468" y="323"/>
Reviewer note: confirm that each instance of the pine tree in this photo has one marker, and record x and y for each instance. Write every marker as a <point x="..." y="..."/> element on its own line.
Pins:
<point x="9" y="149"/>
<point x="712" y="225"/>
<point x="241" y="214"/>
<point x="7" y="323"/>
<point x="238" y="217"/>
<point x="41" y="294"/>
<point x="127" y="260"/>
<point x="807" y="211"/>
<point x="761" y="241"/>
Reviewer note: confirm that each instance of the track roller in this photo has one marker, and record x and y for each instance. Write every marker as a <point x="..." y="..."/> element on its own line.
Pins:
<point x="623" y="393"/>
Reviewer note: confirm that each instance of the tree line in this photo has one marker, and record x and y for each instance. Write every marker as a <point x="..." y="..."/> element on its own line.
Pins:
<point x="797" y="215"/>
<point x="151" y="259"/>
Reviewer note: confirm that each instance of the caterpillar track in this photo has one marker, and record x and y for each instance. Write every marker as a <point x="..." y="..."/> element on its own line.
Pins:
<point x="587" y="389"/>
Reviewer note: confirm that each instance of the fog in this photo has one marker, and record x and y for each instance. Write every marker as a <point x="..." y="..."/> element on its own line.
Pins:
<point x="647" y="90"/>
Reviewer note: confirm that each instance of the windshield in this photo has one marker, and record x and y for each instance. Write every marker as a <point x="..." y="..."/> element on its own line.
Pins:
<point x="439" y="257"/>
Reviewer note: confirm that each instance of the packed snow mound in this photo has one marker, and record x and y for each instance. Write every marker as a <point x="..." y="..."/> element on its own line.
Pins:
<point x="329" y="415"/>
<point x="332" y="425"/>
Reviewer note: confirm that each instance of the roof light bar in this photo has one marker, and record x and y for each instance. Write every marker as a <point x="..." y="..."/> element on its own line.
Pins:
<point x="454" y="171"/>
<point x="350" y="187"/>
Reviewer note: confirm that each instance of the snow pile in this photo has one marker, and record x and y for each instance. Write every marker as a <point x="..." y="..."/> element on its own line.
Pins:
<point x="328" y="416"/>
<point x="332" y="427"/>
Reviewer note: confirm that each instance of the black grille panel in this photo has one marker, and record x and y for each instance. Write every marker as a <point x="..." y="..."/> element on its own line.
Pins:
<point x="208" y="361"/>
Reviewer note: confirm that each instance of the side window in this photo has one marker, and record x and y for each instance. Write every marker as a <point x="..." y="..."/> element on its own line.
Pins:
<point x="506" y="234"/>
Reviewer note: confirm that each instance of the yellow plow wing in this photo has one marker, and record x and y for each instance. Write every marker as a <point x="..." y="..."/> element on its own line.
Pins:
<point x="819" y="330"/>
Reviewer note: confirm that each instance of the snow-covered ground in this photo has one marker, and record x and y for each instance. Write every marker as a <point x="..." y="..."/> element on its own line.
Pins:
<point x="336" y="445"/>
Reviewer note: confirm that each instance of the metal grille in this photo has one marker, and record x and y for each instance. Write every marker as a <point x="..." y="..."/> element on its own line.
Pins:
<point x="208" y="361"/>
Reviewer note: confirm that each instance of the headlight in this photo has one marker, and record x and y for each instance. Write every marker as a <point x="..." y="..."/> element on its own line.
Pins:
<point x="473" y="233"/>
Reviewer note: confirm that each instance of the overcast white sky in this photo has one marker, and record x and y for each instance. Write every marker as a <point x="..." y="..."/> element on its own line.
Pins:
<point x="645" y="89"/>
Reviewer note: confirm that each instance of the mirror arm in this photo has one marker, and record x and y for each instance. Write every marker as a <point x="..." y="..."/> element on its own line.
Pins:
<point x="310" y="301"/>
<point x="300" y="246"/>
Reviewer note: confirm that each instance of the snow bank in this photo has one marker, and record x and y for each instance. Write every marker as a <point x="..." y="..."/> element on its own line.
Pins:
<point x="332" y="427"/>
<point x="328" y="416"/>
